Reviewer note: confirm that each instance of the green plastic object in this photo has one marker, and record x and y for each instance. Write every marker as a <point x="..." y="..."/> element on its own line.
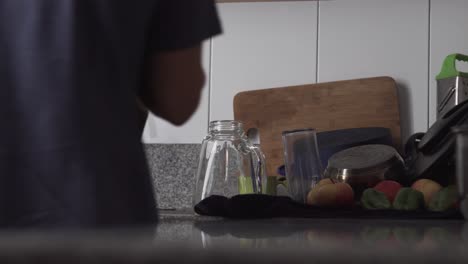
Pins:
<point x="373" y="199"/>
<point x="449" y="68"/>
<point x="445" y="199"/>
<point x="408" y="199"/>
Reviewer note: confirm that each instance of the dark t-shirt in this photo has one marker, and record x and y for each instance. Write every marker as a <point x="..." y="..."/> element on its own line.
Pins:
<point x="70" y="150"/>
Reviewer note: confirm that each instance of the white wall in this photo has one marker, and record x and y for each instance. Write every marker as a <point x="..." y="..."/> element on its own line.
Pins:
<point x="278" y="44"/>
<point x="365" y="38"/>
<point x="265" y="45"/>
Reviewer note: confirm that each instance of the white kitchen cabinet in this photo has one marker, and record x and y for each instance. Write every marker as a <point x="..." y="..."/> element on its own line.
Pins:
<point x="364" y="38"/>
<point x="265" y="45"/>
<point x="449" y="34"/>
<point x="158" y="130"/>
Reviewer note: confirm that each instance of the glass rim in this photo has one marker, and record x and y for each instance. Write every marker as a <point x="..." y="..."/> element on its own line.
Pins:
<point x="300" y="130"/>
<point x="218" y="122"/>
<point x="225" y="125"/>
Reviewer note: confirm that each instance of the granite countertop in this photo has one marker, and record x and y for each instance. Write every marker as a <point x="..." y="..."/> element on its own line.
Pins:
<point x="183" y="237"/>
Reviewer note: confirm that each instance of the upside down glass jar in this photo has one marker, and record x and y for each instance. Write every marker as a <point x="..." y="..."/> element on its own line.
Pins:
<point x="229" y="164"/>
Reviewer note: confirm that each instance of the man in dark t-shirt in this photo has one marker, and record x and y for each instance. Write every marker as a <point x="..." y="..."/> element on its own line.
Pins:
<point x="70" y="75"/>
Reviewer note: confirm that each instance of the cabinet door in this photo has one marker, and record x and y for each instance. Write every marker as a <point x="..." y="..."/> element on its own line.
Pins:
<point x="364" y="38"/>
<point x="449" y="34"/>
<point x="265" y="45"/>
<point x="158" y="130"/>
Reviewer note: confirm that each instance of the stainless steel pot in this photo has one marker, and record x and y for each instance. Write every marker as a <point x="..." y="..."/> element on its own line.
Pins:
<point x="364" y="166"/>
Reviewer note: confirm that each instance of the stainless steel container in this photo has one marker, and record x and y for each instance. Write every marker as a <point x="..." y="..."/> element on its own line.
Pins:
<point x="364" y="166"/>
<point x="452" y="85"/>
<point x="461" y="157"/>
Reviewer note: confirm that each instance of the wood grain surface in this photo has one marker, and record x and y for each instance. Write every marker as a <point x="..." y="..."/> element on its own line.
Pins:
<point x="371" y="102"/>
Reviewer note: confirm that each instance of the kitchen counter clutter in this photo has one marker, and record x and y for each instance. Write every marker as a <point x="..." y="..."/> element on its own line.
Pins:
<point x="184" y="237"/>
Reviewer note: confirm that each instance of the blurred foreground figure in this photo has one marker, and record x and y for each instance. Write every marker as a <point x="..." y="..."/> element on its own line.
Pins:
<point x="71" y="73"/>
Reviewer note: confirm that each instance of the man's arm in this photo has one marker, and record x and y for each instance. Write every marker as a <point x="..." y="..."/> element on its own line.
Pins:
<point x="174" y="84"/>
<point x="175" y="76"/>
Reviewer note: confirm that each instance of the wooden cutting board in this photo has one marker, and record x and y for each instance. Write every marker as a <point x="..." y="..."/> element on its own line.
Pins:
<point x="371" y="102"/>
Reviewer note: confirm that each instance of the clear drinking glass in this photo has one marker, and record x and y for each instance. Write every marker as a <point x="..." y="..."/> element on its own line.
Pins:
<point x="229" y="164"/>
<point x="302" y="161"/>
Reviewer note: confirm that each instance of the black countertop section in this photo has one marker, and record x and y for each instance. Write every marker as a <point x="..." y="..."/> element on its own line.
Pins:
<point x="183" y="237"/>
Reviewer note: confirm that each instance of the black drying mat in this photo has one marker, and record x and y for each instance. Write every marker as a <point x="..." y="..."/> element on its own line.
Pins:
<point x="263" y="206"/>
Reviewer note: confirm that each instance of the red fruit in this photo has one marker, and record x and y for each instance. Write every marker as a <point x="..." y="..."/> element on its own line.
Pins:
<point x="389" y="188"/>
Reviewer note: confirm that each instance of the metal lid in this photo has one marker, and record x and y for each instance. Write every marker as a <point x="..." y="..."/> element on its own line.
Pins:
<point x="365" y="158"/>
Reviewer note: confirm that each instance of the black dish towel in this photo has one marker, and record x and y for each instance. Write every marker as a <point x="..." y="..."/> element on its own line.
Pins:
<point x="252" y="206"/>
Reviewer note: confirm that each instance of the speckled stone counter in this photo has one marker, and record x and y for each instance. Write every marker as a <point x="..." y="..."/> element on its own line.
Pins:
<point x="185" y="238"/>
<point x="285" y="232"/>
<point x="173" y="168"/>
<point x="182" y="237"/>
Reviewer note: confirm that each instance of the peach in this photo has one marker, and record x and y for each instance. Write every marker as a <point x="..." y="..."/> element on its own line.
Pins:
<point x="428" y="187"/>
<point x="330" y="193"/>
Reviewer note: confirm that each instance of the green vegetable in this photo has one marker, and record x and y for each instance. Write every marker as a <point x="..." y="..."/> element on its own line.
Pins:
<point x="245" y="185"/>
<point x="444" y="199"/>
<point x="408" y="199"/>
<point x="373" y="199"/>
